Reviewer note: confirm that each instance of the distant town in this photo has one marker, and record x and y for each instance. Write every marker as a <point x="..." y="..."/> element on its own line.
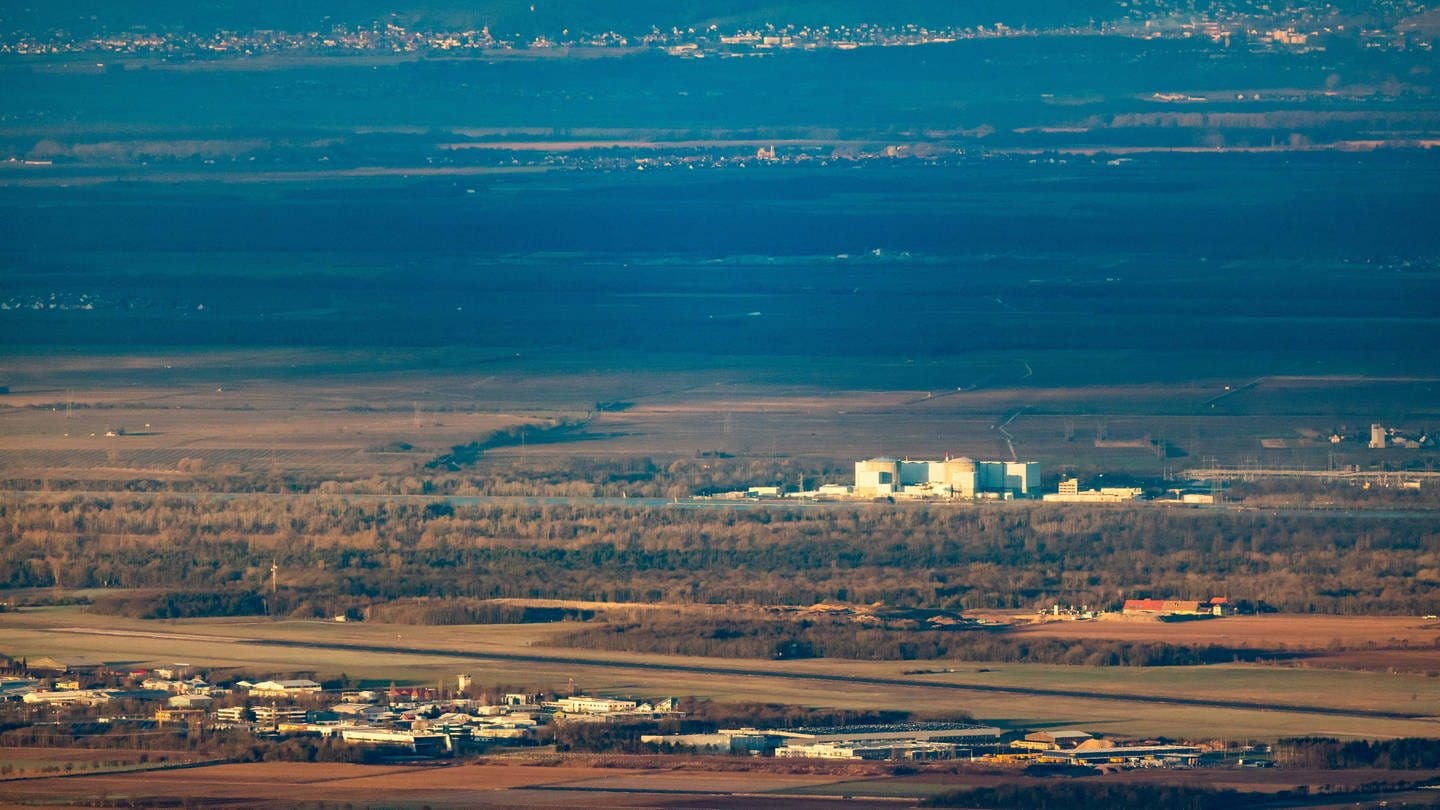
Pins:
<point x="1302" y="27"/>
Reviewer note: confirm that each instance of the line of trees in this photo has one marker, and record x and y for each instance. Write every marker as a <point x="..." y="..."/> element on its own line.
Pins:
<point x="1105" y="796"/>
<point x="174" y="741"/>
<point x="466" y="470"/>
<point x="1408" y="753"/>
<point x="833" y="638"/>
<point x="427" y="611"/>
<point x="465" y="455"/>
<point x="180" y="604"/>
<point x="337" y="553"/>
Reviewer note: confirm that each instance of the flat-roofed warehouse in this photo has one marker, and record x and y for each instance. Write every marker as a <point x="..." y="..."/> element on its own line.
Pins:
<point x="930" y="732"/>
<point x="888" y="742"/>
<point x="891" y="741"/>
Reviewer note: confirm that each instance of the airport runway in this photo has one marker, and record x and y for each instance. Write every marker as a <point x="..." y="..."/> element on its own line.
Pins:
<point x="820" y="679"/>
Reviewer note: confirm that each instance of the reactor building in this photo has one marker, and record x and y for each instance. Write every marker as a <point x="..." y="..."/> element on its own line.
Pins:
<point x="948" y="478"/>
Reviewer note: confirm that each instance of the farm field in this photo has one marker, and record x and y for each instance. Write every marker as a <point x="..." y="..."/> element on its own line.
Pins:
<point x="538" y="785"/>
<point x="658" y="782"/>
<point x="1259" y="781"/>
<point x="1047" y="301"/>
<point x="336" y="414"/>
<point x="32" y="761"/>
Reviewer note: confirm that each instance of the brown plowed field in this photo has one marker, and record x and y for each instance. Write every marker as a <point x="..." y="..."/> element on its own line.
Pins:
<point x="285" y="784"/>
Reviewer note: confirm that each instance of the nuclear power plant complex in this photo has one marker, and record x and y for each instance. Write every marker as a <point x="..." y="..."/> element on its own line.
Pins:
<point x="949" y="478"/>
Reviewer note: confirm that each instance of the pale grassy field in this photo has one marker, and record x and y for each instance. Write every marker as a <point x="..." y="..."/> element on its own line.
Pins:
<point x="1266" y="631"/>
<point x="330" y="411"/>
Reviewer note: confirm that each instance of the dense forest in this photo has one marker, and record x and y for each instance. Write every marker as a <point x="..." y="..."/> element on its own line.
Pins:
<point x="708" y="472"/>
<point x="427" y="611"/>
<point x="1408" y="753"/>
<point x="337" y="553"/>
<point x="468" y="470"/>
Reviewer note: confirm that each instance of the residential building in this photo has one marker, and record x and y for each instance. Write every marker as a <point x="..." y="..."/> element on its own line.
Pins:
<point x="234" y="714"/>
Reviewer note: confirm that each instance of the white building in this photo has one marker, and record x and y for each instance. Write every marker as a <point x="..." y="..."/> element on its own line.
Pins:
<point x="361" y="712"/>
<point x="894" y="741"/>
<point x="517" y="726"/>
<point x="69" y="697"/>
<point x="594" y="705"/>
<point x="1136" y="755"/>
<point x="1070" y="492"/>
<point x="421" y="742"/>
<point x="1012" y="478"/>
<point x="903" y="750"/>
<point x="233" y="714"/>
<point x="290" y="688"/>
<point x="900" y="741"/>
<point x="272" y="716"/>
<point x="950" y="478"/>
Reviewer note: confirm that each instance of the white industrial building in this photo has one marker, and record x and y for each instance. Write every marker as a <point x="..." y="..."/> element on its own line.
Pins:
<point x="892" y="742"/>
<point x="69" y="697"/>
<point x="272" y="716"/>
<point x="289" y="688"/>
<point x="421" y="742"/>
<point x="884" y="742"/>
<point x="950" y="478"/>
<point x="594" y="705"/>
<point x="1070" y="492"/>
<point x="886" y="751"/>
